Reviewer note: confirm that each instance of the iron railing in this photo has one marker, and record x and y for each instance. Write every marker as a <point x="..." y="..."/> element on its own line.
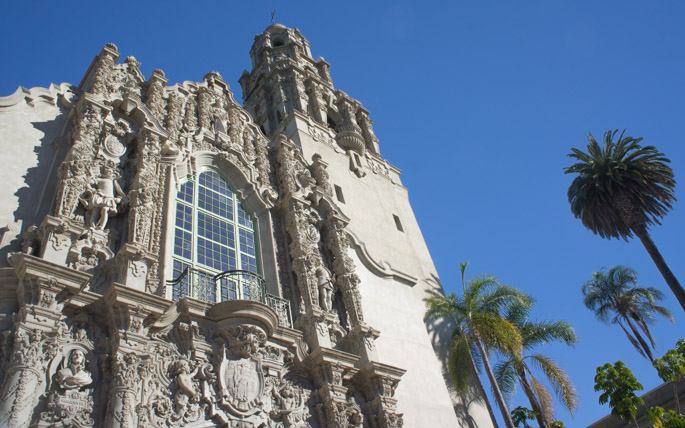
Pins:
<point x="229" y="285"/>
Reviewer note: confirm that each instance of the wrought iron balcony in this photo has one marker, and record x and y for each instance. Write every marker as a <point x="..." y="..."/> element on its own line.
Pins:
<point x="229" y="285"/>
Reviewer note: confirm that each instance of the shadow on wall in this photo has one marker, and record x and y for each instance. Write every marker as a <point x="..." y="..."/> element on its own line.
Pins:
<point x="35" y="199"/>
<point x="440" y="333"/>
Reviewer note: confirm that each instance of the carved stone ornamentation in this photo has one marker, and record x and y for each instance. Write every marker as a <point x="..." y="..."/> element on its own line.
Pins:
<point x="24" y="381"/>
<point x="73" y="173"/>
<point x="128" y="369"/>
<point x="103" y="198"/>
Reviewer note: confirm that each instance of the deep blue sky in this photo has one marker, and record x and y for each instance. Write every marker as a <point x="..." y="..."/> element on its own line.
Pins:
<point x="477" y="102"/>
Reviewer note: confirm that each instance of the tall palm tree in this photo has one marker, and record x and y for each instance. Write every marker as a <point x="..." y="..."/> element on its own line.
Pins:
<point x="480" y="327"/>
<point x="519" y="367"/>
<point x="622" y="189"/>
<point x="615" y="298"/>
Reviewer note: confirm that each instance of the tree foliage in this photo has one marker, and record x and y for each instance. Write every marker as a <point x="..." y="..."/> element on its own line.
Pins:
<point x="514" y="369"/>
<point x="480" y="327"/>
<point x="620" y="185"/>
<point x="618" y="386"/>
<point x="615" y="298"/>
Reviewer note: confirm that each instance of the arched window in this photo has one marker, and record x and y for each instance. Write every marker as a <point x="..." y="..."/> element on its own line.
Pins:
<point x="213" y="233"/>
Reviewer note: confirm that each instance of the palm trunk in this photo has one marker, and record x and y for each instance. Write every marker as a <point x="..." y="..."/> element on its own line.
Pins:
<point x="534" y="404"/>
<point x="660" y="263"/>
<point x="495" y="387"/>
<point x="639" y="338"/>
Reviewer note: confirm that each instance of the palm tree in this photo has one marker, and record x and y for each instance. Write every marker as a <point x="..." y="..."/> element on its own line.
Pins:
<point x="518" y="367"/>
<point x="622" y="189"/>
<point x="479" y="328"/>
<point x="615" y="298"/>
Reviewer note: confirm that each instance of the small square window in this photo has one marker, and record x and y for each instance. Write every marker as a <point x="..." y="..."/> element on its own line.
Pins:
<point x="339" y="193"/>
<point x="398" y="223"/>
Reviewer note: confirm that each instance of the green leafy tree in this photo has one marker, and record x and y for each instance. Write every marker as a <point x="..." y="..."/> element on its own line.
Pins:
<point x="661" y="418"/>
<point x="558" y="424"/>
<point x="671" y="368"/>
<point x="480" y="327"/>
<point x="615" y="298"/>
<point x="518" y="368"/>
<point x="622" y="189"/>
<point x="521" y="415"/>
<point x="618" y="386"/>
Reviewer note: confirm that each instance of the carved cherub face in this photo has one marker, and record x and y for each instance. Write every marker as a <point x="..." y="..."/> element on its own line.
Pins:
<point x="287" y="392"/>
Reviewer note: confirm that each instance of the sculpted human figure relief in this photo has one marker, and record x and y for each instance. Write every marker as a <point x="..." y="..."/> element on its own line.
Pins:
<point x="325" y="285"/>
<point x="103" y="199"/>
<point x="73" y="374"/>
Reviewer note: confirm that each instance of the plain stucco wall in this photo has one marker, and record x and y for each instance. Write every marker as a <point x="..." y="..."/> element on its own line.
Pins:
<point x="31" y="128"/>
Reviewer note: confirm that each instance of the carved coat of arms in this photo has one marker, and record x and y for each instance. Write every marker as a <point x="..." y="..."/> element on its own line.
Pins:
<point x="240" y="374"/>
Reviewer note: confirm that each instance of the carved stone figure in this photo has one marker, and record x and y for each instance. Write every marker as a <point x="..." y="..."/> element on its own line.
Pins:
<point x="326" y="289"/>
<point x="290" y="405"/>
<point x="73" y="374"/>
<point x="103" y="199"/>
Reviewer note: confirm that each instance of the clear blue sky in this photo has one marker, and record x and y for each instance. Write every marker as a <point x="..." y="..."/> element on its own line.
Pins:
<point x="478" y="102"/>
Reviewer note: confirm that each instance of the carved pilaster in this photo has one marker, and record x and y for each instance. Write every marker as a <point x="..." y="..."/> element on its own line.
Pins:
<point x="317" y="99"/>
<point x="205" y="99"/>
<point x="321" y="175"/>
<point x="155" y="95"/>
<point x="366" y="126"/>
<point x="127" y="371"/>
<point x="102" y="76"/>
<point x="145" y="195"/>
<point x="24" y="381"/>
<point x="337" y="408"/>
<point x="174" y="120"/>
<point x="343" y="267"/>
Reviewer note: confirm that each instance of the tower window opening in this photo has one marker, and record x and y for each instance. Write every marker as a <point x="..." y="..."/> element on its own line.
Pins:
<point x="278" y="42"/>
<point x="330" y="123"/>
<point x="339" y="193"/>
<point x="398" y="223"/>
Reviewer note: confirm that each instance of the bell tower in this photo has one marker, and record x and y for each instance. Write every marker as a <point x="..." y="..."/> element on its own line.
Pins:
<point x="369" y="239"/>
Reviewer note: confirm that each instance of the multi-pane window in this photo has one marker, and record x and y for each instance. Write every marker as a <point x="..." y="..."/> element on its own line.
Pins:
<point x="213" y="233"/>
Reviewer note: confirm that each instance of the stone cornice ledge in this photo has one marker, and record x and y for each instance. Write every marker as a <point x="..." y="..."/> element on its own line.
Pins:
<point x="382" y="269"/>
<point x="29" y="267"/>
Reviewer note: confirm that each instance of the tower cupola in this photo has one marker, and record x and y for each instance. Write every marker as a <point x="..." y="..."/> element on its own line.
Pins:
<point x="285" y="79"/>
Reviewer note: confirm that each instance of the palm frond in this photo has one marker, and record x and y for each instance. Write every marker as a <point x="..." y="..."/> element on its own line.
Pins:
<point x="543" y="396"/>
<point x="506" y="377"/>
<point x="536" y="333"/>
<point x="459" y="364"/>
<point x="559" y="380"/>
<point x="497" y="333"/>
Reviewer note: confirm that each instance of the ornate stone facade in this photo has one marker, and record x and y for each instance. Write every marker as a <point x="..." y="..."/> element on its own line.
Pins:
<point x="92" y="336"/>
